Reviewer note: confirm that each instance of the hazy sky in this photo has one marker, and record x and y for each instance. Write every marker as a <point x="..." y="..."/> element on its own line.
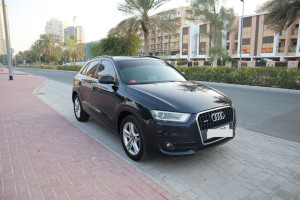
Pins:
<point x="28" y="18"/>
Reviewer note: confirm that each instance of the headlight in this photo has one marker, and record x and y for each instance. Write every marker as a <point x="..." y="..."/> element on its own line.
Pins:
<point x="170" y="116"/>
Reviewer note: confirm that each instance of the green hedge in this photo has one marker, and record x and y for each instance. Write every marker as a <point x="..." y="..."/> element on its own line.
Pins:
<point x="256" y="76"/>
<point x="57" y="67"/>
<point x="182" y="62"/>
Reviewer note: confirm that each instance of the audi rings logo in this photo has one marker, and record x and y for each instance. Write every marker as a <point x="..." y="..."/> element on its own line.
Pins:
<point x="217" y="116"/>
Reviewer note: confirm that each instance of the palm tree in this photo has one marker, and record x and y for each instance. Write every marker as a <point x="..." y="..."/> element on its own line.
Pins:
<point x="282" y="13"/>
<point x="48" y="47"/>
<point x="72" y="50"/>
<point x="140" y="10"/>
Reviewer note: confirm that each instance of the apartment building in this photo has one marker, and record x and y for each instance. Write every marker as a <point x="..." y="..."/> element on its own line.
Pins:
<point x="258" y="42"/>
<point x="166" y="44"/>
<point x="79" y="33"/>
<point x="2" y="31"/>
<point x="55" y="27"/>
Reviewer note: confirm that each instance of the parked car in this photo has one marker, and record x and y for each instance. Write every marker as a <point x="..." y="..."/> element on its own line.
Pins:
<point x="153" y="107"/>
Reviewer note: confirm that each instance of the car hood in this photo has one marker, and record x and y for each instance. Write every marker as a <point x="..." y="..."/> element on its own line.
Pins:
<point x="187" y="96"/>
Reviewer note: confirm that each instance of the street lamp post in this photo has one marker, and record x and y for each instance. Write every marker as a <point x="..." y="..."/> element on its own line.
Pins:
<point x="8" y="50"/>
<point x="241" y="37"/>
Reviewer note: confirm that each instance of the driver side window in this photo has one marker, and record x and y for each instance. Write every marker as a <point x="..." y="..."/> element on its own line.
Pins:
<point x="106" y="68"/>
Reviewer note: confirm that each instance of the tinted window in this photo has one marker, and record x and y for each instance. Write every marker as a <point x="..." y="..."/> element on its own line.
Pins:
<point x="84" y="68"/>
<point x="148" y="71"/>
<point x="106" y="68"/>
<point x="91" y="69"/>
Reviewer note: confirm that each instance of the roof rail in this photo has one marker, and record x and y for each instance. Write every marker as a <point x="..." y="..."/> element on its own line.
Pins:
<point x="151" y="57"/>
<point x="104" y="56"/>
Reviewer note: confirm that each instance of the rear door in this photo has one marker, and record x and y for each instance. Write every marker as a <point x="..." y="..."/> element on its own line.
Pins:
<point x="104" y="96"/>
<point x="86" y="86"/>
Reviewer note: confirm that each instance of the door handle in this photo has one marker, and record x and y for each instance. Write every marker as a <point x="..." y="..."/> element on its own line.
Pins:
<point x="79" y="83"/>
<point x="94" y="88"/>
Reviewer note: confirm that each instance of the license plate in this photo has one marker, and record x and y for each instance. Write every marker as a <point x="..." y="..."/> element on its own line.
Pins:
<point x="223" y="131"/>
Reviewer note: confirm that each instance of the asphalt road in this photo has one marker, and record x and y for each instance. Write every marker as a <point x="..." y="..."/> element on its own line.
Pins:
<point x="268" y="112"/>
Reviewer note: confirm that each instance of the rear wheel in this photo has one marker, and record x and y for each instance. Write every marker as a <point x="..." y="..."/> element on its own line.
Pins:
<point x="133" y="140"/>
<point x="80" y="114"/>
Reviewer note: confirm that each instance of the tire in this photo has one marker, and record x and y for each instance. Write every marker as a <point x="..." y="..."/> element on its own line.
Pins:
<point x="79" y="113"/>
<point x="133" y="139"/>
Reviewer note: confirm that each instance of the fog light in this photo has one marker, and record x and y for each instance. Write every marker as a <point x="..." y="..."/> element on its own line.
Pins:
<point x="169" y="145"/>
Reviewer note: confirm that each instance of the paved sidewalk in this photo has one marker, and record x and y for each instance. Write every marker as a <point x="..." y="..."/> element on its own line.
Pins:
<point x="44" y="156"/>
<point x="252" y="166"/>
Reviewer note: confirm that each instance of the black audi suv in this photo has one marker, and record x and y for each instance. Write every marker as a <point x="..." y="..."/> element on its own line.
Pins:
<point x="153" y="107"/>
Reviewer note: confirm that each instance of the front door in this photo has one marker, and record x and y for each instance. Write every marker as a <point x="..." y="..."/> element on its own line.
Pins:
<point x="86" y="86"/>
<point x="104" y="96"/>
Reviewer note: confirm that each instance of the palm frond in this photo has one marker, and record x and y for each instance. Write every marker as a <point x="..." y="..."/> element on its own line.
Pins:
<point x="128" y="25"/>
<point x="282" y="13"/>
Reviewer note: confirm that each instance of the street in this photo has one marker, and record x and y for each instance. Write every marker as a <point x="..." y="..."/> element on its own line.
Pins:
<point x="271" y="113"/>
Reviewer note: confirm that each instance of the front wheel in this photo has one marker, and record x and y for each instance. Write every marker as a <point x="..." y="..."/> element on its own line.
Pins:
<point x="80" y="114"/>
<point x="133" y="140"/>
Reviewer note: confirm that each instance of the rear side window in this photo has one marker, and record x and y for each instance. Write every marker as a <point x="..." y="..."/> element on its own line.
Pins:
<point x="90" y="71"/>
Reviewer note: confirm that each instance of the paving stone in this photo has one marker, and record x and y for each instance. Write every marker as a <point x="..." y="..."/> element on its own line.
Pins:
<point x="283" y="194"/>
<point x="241" y="192"/>
<point x="257" y="195"/>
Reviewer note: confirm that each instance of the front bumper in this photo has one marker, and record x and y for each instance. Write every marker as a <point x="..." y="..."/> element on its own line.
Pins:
<point x="185" y="139"/>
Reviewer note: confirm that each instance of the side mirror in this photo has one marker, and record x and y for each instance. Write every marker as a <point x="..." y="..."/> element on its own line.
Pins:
<point x="106" y="80"/>
<point x="182" y="73"/>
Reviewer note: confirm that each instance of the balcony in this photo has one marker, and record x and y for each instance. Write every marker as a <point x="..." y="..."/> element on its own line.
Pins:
<point x="234" y="51"/>
<point x="236" y="37"/>
<point x="294" y="32"/>
<point x="282" y="33"/>
<point x="292" y="49"/>
<point x="280" y="49"/>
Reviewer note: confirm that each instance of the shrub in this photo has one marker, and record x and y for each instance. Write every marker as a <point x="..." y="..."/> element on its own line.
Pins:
<point x="181" y="62"/>
<point x="256" y="76"/>
<point x="57" y="67"/>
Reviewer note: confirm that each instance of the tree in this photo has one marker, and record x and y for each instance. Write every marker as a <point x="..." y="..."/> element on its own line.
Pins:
<point x="139" y="11"/>
<point x="282" y="13"/>
<point x="73" y="51"/>
<point x="49" y="47"/>
<point x="220" y="19"/>
<point x="117" y="45"/>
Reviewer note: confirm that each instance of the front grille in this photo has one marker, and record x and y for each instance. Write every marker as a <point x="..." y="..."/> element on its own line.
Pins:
<point x="211" y="140"/>
<point x="205" y="121"/>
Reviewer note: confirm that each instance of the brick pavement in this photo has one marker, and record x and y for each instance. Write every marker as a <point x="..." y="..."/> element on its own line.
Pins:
<point x="252" y="166"/>
<point x="44" y="156"/>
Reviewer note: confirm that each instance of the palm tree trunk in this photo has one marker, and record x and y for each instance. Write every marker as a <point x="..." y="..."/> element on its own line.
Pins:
<point x="146" y="43"/>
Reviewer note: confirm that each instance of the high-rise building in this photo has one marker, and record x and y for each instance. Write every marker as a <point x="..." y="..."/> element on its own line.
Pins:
<point x="79" y="33"/>
<point x="2" y="31"/>
<point x="167" y="44"/>
<point x="55" y="28"/>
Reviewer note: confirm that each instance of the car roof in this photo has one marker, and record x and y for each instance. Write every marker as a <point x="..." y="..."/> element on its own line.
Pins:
<point x="122" y="58"/>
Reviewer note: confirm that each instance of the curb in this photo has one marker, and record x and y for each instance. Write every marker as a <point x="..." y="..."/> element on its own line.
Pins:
<point x="252" y="87"/>
<point x="269" y="136"/>
<point x="38" y="89"/>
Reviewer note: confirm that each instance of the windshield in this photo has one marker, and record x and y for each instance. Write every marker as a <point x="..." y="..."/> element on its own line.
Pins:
<point x="147" y="71"/>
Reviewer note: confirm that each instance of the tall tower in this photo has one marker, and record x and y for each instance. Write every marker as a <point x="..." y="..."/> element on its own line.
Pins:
<point x="55" y="28"/>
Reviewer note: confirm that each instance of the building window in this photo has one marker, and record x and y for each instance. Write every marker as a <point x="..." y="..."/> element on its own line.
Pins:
<point x="202" y="39"/>
<point x="267" y="48"/>
<point x="185" y="41"/>
<point x="246" y="48"/>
